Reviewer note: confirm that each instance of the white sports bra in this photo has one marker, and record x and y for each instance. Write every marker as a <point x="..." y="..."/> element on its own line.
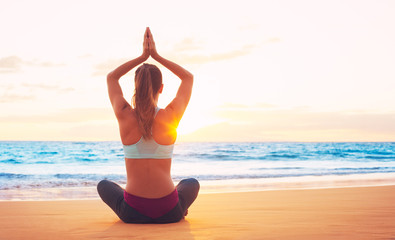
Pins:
<point x="148" y="148"/>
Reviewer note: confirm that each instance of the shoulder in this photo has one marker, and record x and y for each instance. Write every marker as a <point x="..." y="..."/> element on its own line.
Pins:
<point x="165" y="127"/>
<point x="128" y="127"/>
<point x="166" y="115"/>
<point x="127" y="118"/>
<point x="124" y="112"/>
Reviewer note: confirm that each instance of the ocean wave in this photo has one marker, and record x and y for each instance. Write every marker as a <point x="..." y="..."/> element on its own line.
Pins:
<point x="10" y="176"/>
<point x="57" y="180"/>
<point x="48" y="153"/>
<point x="205" y="156"/>
<point x="382" y="158"/>
<point x="43" y="162"/>
<point x="284" y="155"/>
<point x="54" y="164"/>
<point x="11" y="161"/>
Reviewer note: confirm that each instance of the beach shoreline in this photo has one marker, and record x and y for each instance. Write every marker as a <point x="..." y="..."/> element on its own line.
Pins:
<point x="217" y="186"/>
<point x="332" y="213"/>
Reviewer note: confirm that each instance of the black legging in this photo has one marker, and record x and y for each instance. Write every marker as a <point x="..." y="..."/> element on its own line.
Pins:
<point x="112" y="194"/>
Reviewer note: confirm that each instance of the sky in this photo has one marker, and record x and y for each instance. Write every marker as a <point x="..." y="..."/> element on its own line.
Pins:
<point x="263" y="70"/>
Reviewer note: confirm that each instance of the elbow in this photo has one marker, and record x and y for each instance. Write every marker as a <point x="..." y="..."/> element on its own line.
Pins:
<point x="189" y="77"/>
<point x="111" y="77"/>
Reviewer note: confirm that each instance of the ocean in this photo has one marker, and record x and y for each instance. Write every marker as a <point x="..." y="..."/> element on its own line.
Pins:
<point x="31" y="166"/>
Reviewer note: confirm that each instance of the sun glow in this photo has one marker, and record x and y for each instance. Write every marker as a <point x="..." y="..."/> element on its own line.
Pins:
<point x="195" y="121"/>
<point x="289" y="69"/>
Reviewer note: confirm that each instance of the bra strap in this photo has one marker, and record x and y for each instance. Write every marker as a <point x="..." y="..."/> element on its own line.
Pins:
<point x="156" y="111"/>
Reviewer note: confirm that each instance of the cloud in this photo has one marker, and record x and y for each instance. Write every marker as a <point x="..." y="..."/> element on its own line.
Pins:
<point x="7" y="98"/>
<point x="187" y="44"/>
<point x="201" y="59"/>
<point x="96" y="132"/>
<point x="10" y="64"/>
<point x="43" y="64"/>
<point x="180" y="54"/>
<point x="272" y="40"/>
<point x="242" y="107"/>
<point x="13" y="64"/>
<point x="104" y="68"/>
<point x="75" y="131"/>
<point x="63" y="116"/>
<point x="11" y="93"/>
<point x="297" y="119"/>
<point x="59" y="89"/>
<point x="190" y="45"/>
<point x="8" y="95"/>
<point x="238" y="124"/>
<point x="243" y="124"/>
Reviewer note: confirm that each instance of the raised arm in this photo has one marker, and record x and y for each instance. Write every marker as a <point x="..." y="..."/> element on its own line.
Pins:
<point x="180" y="102"/>
<point x="118" y="102"/>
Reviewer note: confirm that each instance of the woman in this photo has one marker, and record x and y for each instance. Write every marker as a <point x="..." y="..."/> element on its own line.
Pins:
<point x="148" y="135"/>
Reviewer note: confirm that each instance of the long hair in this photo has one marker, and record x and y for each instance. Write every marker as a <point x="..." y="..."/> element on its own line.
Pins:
<point x="148" y="81"/>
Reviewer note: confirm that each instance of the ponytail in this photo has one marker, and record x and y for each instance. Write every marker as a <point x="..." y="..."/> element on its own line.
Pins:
<point x="147" y="85"/>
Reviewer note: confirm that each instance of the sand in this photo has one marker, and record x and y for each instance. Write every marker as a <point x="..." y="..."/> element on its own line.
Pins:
<point x="333" y="213"/>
